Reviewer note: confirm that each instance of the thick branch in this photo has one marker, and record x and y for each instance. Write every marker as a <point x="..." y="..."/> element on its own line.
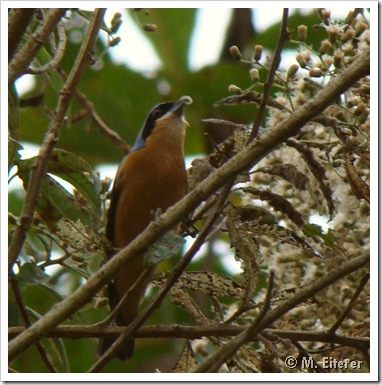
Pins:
<point x="251" y="154"/>
<point x="18" y="21"/>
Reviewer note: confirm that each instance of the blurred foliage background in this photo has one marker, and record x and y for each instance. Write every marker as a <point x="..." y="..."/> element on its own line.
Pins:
<point x="123" y="97"/>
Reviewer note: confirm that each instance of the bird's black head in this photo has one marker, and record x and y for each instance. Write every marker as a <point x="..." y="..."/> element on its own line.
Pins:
<point x="158" y="112"/>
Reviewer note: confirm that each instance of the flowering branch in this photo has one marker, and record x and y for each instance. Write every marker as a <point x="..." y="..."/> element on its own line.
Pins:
<point x="245" y="159"/>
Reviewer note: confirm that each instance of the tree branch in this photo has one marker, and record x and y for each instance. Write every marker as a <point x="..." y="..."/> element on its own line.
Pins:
<point x="58" y="53"/>
<point x="23" y="57"/>
<point x="104" y="128"/>
<point x="246" y="158"/>
<point x="18" y="21"/>
<point x="214" y="362"/>
<point x="39" y="169"/>
<point x="284" y="34"/>
<point x="221" y="355"/>
<point x="351" y="304"/>
<point x="195" y="332"/>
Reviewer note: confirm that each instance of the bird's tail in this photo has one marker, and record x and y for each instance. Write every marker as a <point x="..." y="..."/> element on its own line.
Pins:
<point x="127" y="314"/>
<point x="125" y="352"/>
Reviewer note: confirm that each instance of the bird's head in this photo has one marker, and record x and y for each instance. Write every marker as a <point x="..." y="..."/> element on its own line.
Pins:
<point x="164" y="124"/>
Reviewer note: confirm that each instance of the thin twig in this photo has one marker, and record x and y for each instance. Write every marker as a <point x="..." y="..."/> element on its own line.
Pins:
<point x="284" y="34"/>
<point x="51" y="138"/>
<point x="303" y="352"/>
<point x="142" y="278"/>
<point x="23" y="57"/>
<point x="217" y="359"/>
<point x="246" y="158"/>
<point x="350" y="305"/>
<point x="104" y="128"/>
<point x="24" y="314"/>
<point x="58" y="53"/>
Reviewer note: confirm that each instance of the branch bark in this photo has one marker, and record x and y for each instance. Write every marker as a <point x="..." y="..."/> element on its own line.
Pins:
<point x="251" y="154"/>
<point x="213" y="362"/>
<point x="18" y="21"/>
<point x="23" y="57"/>
<point x="284" y="34"/>
<point x="39" y="170"/>
<point x="195" y="332"/>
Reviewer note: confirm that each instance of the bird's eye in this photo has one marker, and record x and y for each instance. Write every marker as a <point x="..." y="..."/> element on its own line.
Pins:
<point x="157" y="113"/>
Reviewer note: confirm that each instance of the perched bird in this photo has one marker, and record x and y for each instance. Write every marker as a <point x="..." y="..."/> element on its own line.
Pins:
<point x="151" y="177"/>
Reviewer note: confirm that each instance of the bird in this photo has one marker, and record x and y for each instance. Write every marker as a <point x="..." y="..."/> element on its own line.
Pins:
<point x="151" y="177"/>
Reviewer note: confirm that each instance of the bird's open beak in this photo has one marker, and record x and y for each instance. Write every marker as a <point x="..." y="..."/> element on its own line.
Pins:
<point x="180" y="103"/>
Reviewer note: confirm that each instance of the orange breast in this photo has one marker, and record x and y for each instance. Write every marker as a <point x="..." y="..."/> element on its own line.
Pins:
<point x="145" y="182"/>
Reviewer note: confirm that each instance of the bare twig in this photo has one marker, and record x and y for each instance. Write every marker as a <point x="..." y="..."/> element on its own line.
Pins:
<point x="142" y="278"/>
<point x="89" y="106"/>
<point x="246" y="158"/>
<point x="104" y="128"/>
<point x="350" y="305"/>
<point x="217" y="359"/>
<point x="23" y="57"/>
<point x="271" y="75"/>
<point x="51" y="138"/>
<point x="24" y="314"/>
<point x="195" y="332"/>
<point x="304" y="353"/>
<point x="58" y="53"/>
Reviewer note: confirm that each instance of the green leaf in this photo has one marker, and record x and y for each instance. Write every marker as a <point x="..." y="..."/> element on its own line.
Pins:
<point x="311" y="230"/>
<point x="30" y="274"/>
<point x="329" y="238"/>
<point x="13" y="112"/>
<point x="31" y="249"/>
<point x="64" y="202"/>
<point x="14" y="316"/>
<point x="56" y="201"/>
<point x="166" y="247"/>
<point x="78" y="173"/>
